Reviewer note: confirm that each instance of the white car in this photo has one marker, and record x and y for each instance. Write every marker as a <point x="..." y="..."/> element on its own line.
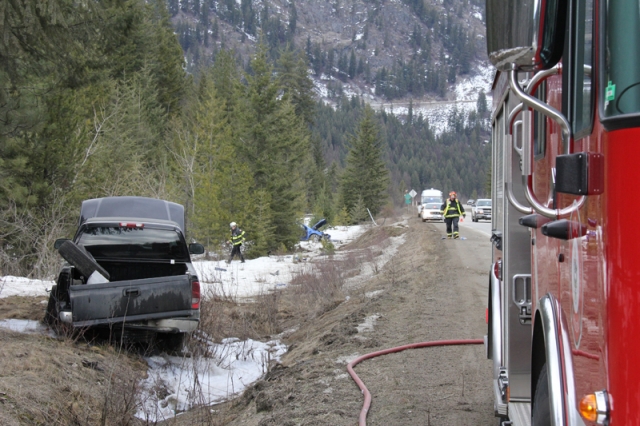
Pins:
<point x="431" y="211"/>
<point x="481" y="210"/>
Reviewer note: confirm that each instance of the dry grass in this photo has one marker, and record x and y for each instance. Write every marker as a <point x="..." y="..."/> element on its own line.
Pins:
<point x="315" y="290"/>
<point x="51" y="382"/>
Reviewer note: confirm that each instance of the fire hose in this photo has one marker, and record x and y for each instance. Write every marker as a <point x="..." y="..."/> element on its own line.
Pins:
<point x="362" y="419"/>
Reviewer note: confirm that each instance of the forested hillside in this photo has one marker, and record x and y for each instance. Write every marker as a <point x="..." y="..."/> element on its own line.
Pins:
<point x="417" y="158"/>
<point x="392" y="48"/>
<point x="99" y="101"/>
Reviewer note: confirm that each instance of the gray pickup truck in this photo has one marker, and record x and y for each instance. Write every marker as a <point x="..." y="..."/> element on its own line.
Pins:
<point x="128" y="271"/>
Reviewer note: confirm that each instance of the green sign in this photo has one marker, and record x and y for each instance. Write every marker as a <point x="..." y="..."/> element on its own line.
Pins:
<point x="407" y="198"/>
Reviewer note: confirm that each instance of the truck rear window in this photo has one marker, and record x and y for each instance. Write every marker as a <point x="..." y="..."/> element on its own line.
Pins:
<point x="115" y="242"/>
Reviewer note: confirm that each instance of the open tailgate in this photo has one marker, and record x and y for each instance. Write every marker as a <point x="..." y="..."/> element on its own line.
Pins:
<point x="127" y="301"/>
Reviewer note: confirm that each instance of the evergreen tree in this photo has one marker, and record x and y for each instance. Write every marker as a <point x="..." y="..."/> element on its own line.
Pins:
<point x="366" y="176"/>
<point x="296" y="84"/>
<point x="352" y="65"/>
<point x="275" y="142"/>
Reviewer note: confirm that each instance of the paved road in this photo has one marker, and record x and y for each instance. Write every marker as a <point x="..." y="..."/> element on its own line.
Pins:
<point x="483" y="226"/>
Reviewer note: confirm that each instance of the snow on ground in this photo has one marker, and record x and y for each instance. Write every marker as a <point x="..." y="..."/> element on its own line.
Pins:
<point x="26" y="326"/>
<point x="174" y="384"/>
<point x="465" y="96"/>
<point x="258" y="276"/>
<point x="20" y="286"/>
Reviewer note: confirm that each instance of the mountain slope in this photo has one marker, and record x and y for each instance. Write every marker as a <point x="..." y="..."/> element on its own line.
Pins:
<point x="386" y="49"/>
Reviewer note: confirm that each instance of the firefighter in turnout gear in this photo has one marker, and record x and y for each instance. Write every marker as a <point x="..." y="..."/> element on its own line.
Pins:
<point x="237" y="238"/>
<point x="452" y="210"/>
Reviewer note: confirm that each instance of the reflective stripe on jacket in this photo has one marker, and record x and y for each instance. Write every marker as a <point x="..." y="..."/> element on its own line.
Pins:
<point x="452" y="209"/>
<point x="237" y="237"/>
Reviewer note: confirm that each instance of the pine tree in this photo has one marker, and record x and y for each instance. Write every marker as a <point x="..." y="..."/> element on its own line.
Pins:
<point x="366" y="176"/>
<point x="296" y="84"/>
<point x="275" y="142"/>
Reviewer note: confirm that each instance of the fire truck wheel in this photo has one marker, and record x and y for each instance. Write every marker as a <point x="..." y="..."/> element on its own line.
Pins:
<point x="81" y="259"/>
<point x="541" y="412"/>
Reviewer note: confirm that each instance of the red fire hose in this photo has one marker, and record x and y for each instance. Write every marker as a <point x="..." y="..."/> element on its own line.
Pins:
<point x="362" y="420"/>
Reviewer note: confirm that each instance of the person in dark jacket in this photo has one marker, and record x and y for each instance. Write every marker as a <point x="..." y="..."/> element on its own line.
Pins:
<point x="237" y="238"/>
<point x="452" y="210"/>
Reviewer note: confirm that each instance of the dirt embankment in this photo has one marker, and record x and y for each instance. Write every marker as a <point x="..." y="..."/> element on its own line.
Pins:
<point x="430" y="289"/>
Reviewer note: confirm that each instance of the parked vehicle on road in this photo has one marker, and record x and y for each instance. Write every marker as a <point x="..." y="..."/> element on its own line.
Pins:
<point x="481" y="210"/>
<point x="129" y="270"/>
<point x="431" y="196"/>
<point x="471" y="202"/>
<point x="431" y="212"/>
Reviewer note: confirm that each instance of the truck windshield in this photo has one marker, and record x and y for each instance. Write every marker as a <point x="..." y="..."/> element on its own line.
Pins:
<point x="427" y="199"/>
<point x="621" y="73"/>
<point x="114" y="242"/>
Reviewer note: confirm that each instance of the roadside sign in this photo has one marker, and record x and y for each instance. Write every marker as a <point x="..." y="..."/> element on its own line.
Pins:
<point x="413" y="193"/>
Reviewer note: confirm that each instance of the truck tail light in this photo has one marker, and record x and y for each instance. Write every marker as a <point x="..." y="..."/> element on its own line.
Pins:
<point x="195" y="295"/>
<point x="131" y="225"/>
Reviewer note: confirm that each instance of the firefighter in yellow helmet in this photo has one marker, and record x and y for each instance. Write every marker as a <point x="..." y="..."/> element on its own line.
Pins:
<point x="452" y="210"/>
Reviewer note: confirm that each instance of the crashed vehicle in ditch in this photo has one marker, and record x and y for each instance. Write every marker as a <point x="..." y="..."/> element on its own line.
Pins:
<point x="128" y="271"/>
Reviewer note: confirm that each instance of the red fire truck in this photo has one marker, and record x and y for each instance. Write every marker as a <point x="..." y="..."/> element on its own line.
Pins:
<point x="563" y="333"/>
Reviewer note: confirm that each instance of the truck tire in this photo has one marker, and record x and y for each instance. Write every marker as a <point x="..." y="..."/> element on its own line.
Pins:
<point x="541" y="411"/>
<point x="171" y="342"/>
<point x="51" y="314"/>
<point x="81" y="259"/>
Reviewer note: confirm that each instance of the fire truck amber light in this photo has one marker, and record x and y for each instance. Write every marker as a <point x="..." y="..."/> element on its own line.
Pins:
<point x="593" y="408"/>
<point x="588" y="408"/>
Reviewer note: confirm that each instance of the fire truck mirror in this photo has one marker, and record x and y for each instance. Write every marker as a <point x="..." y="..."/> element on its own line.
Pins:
<point x="517" y="34"/>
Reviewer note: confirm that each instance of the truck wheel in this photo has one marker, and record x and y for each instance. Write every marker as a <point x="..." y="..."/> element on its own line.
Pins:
<point x="172" y="342"/>
<point x="51" y="314"/>
<point x="541" y="412"/>
<point x="81" y="259"/>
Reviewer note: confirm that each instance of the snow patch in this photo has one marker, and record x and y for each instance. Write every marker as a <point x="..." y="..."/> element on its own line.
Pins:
<point x="175" y="384"/>
<point x="368" y="325"/>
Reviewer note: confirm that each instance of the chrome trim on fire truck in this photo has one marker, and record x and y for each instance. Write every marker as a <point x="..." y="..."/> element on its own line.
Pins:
<point x="543" y="108"/>
<point x="602" y="406"/>
<point x="561" y="120"/>
<point x="551" y="213"/>
<point x="500" y="408"/>
<point x="515" y="203"/>
<point x="539" y="77"/>
<point x="496" y="324"/>
<point x="507" y="183"/>
<point x="550" y="325"/>
<point x="573" y="415"/>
